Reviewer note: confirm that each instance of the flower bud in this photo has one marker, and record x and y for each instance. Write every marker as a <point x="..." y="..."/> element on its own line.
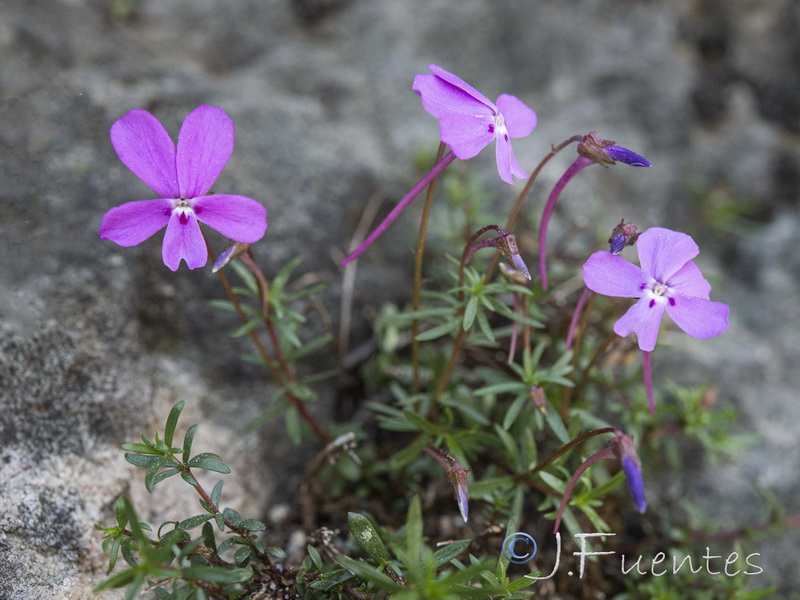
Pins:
<point x="507" y="244"/>
<point x="606" y="152"/>
<point x="623" y="235"/>
<point x="622" y="446"/>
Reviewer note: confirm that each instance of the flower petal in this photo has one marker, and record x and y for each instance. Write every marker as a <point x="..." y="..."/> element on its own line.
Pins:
<point x="461" y="84"/>
<point x="643" y="319"/>
<point x="662" y="252"/>
<point x="698" y="317"/>
<point x="507" y="164"/>
<point x="690" y="282"/>
<point x="205" y="144"/>
<point x="612" y="275"/>
<point x="144" y="146"/>
<point x="466" y="134"/>
<point x="441" y="99"/>
<point x="519" y="118"/>
<point x="184" y="240"/>
<point x="134" y="222"/>
<point x="238" y="218"/>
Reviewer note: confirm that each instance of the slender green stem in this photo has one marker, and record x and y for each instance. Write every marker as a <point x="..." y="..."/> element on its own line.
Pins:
<point x="281" y="378"/>
<point x="423" y="228"/>
<point x="458" y="343"/>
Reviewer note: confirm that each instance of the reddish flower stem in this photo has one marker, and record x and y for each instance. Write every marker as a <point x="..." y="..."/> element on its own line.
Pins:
<point x="423" y="228"/>
<point x="579" y="164"/>
<point x="401" y="206"/>
<point x="596" y="457"/>
<point x="647" y="374"/>
<point x="281" y="378"/>
<point x="577" y="315"/>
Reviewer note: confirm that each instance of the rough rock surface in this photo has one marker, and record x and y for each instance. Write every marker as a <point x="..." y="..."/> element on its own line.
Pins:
<point x="99" y="341"/>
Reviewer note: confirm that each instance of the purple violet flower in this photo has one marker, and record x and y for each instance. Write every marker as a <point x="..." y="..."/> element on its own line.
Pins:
<point x="180" y="177"/>
<point x="667" y="280"/>
<point x="469" y="121"/>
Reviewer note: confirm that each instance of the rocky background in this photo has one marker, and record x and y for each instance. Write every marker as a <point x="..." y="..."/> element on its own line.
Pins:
<point x="97" y="342"/>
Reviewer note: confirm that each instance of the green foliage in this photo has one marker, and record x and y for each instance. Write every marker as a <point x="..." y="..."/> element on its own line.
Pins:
<point x="489" y="392"/>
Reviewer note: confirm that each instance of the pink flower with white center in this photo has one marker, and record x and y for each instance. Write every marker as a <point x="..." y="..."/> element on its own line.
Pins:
<point x="181" y="177"/>
<point x="469" y="121"/>
<point x="667" y="280"/>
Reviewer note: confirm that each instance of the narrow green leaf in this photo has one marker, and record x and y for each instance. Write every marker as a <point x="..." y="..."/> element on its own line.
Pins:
<point x="120" y="513"/>
<point x="195" y="521"/>
<point x="208" y="535"/>
<point x="223" y="305"/>
<point x="112" y="555"/>
<point x="447" y="553"/>
<point x="216" y="493"/>
<point x="208" y="461"/>
<point x="232" y="516"/>
<point x="246" y="328"/>
<point x="513" y="411"/>
<point x="140" y="460"/>
<point x="165" y="474"/>
<point x="293" y="426"/>
<point x="118" y="580"/>
<point x="275" y="551"/>
<point x="469" y="313"/>
<point x="421" y="423"/>
<point x="244" y="273"/>
<point x="217" y="574"/>
<point x="187" y="477"/>
<point x="368" y="573"/>
<point x="557" y="425"/>
<point x="152" y="472"/>
<point x="483" y="324"/>
<point x="172" y="422"/>
<point x="309" y="347"/>
<point x="315" y="557"/>
<point x="187" y="442"/>
<point x="414" y="532"/>
<point x="438" y="331"/>
<point x="139" y="448"/>
<point x="366" y="536"/>
<point x="252" y="525"/>
<point x="242" y="555"/>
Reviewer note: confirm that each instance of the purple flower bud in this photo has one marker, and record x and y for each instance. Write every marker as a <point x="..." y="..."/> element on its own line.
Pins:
<point x="233" y="250"/>
<point x="457" y="475"/>
<point x="458" y="479"/>
<point x="606" y="152"/>
<point x="507" y="244"/>
<point x="635" y="482"/>
<point x="626" y="156"/>
<point x="623" y="235"/>
<point x="538" y="396"/>
<point x="622" y="446"/>
<point x="617" y="243"/>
